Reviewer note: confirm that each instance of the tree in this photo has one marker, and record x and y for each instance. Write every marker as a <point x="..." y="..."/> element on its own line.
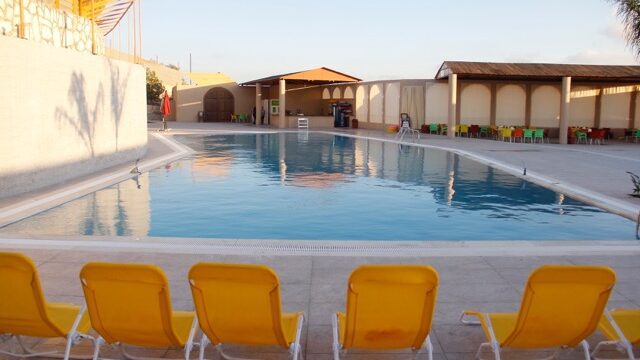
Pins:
<point x="155" y="89"/>
<point x="629" y="13"/>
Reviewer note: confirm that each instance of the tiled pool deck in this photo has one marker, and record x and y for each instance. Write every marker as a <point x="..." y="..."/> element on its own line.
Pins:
<point x="317" y="284"/>
<point x="489" y="280"/>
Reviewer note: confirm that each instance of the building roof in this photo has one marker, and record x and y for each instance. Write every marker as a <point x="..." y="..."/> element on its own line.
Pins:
<point x="319" y="76"/>
<point x="526" y="71"/>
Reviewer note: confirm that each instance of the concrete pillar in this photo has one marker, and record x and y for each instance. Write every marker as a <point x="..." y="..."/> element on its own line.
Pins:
<point x="453" y="100"/>
<point x="258" y="103"/>
<point x="282" y="102"/>
<point x="565" y="103"/>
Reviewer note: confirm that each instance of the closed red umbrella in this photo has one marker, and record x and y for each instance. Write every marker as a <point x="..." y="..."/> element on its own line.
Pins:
<point x="166" y="109"/>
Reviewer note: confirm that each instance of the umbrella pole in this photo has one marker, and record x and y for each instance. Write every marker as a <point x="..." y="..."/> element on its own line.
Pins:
<point x="164" y="124"/>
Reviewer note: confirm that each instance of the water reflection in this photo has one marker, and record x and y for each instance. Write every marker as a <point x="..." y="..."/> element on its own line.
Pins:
<point x="120" y="210"/>
<point x="314" y="186"/>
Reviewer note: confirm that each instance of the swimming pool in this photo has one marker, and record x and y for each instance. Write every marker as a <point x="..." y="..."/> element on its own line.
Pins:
<point x="327" y="187"/>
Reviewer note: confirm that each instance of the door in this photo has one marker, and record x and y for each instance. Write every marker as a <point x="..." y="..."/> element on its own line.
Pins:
<point x="218" y="105"/>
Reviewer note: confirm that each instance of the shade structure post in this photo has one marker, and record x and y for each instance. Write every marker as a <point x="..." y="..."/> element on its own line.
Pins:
<point x="93" y="28"/>
<point x="282" y="117"/>
<point x="21" y="25"/>
<point x="453" y="101"/>
<point x="565" y="105"/>
<point x="258" y="115"/>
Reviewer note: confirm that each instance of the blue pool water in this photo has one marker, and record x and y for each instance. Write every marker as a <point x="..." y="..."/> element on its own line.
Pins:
<point x="319" y="186"/>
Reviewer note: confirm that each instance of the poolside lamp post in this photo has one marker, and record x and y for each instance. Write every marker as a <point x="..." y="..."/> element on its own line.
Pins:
<point x="453" y="92"/>
<point x="564" y="110"/>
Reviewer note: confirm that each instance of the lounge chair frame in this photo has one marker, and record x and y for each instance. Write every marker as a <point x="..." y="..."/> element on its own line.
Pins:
<point x="73" y="338"/>
<point x="294" y="348"/>
<point x="495" y="346"/>
<point x="338" y="350"/>
<point x="622" y="344"/>
<point x="188" y="347"/>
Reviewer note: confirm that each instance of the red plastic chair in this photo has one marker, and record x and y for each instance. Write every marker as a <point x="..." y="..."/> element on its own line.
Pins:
<point x="474" y="131"/>
<point x="518" y="133"/>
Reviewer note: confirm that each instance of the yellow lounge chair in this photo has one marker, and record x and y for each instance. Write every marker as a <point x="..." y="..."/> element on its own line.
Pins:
<point x="240" y="304"/>
<point x="622" y="329"/>
<point x="24" y="310"/>
<point x="561" y="307"/>
<point x="131" y="304"/>
<point x="388" y="307"/>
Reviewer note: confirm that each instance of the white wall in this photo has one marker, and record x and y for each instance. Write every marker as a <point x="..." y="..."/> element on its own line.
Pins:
<point x="583" y="106"/>
<point x="362" y="103"/>
<point x="436" y="103"/>
<point x="511" y="102"/>
<point x="392" y="104"/>
<point x="375" y="104"/>
<point x="615" y="107"/>
<point x="65" y="114"/>
<point x="475" y="105"/>
<point x="545" y="106"/>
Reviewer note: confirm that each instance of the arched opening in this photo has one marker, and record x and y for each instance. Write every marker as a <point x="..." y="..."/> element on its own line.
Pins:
<point x="218" y="105"/>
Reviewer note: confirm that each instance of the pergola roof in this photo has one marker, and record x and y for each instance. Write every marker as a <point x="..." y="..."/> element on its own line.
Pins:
<point x="526" y="71"/>
<point x="319" y="76"/>
<point x="106" y="13"/>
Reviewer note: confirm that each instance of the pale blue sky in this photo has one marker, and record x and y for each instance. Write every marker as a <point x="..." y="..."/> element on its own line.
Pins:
<point x="377" y="39"/>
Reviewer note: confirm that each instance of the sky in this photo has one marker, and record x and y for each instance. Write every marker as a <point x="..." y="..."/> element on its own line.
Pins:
<point x="374" y="39"/>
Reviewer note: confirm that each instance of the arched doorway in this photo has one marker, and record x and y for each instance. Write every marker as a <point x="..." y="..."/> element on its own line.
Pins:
<point x="218" y="105"/>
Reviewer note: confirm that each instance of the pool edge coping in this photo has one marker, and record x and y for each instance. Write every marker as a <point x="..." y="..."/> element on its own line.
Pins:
<point x="25" y="208"/>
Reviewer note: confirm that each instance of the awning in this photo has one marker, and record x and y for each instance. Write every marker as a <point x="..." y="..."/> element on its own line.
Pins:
<point x="319" y="76"/>
<point x="106" y="13"/>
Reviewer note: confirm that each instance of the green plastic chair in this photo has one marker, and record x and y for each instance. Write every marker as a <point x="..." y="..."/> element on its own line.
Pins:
<point x="242" y="118"/>
<point x="433" y="128"/>
<point x="443" y="129"/>
<point x="528" y="134"/>
<point x="538" y="134"/>
<point x="581" y="136"/>
<point x="636" y="136"/>
<point x="484" y="130"/>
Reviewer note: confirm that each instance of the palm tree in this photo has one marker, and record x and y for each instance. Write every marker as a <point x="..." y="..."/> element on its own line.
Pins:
<point x="629" y="13"/>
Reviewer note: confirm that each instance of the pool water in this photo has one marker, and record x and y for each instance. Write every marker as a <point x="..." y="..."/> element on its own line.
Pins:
<point x="325" y="187"/>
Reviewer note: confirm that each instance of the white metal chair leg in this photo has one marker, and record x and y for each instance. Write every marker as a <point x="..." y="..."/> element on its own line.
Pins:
<point x="189" y="345"/>
<point x="296" y="344"/>
<point x="96" y="350"/>
<point x="336" y="342"/>
<point x="204" y="341"/>
<point x="585" y="348"/>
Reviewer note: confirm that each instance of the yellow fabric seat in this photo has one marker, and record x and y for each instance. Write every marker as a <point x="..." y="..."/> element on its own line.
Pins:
<point x="388" y="307"/>
<point x="240" y="304"/>
<point x="63" y="316"/>
<point x="131" y="304"/>
<point x="622" y="328"/>
<point x="561" y="307"/>
<point x="24" y="310"/>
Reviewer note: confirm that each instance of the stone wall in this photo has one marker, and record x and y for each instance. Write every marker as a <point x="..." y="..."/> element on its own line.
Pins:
<point x="48" y="25"/>
<point x="65" y="114"/>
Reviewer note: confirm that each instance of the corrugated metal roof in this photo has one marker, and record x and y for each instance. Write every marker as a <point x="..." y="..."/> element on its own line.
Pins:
<point x="526" y="71"/>
<point x="318" y="76"/>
